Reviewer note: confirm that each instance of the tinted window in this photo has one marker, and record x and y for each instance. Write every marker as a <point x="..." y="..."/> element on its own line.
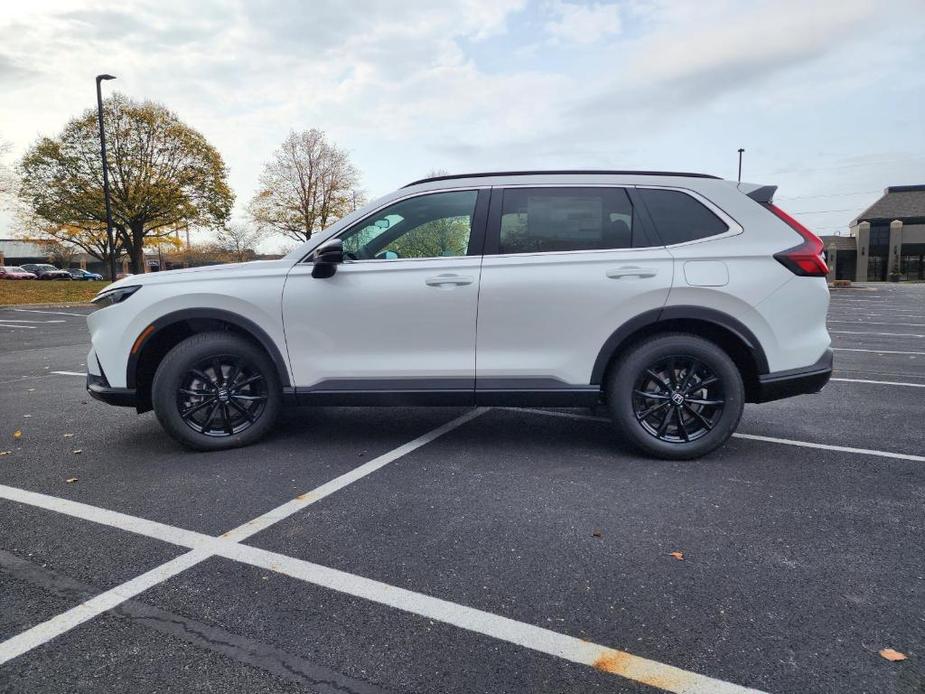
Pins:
<point x="679" y="217"/>
<point x="537" y="220"/>
<point x="427" y="226"/>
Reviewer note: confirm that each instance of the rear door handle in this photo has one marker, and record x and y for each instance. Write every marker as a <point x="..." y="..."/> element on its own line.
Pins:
<point x="448" y="280"/>
<point x="631" y="271"/>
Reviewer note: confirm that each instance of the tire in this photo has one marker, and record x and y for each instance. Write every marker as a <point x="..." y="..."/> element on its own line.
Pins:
<point x="218" y="416"/>
<point x="642" y="393"/>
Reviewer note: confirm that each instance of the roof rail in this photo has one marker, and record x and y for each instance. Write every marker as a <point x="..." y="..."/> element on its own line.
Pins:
<point x="487" y="174"/>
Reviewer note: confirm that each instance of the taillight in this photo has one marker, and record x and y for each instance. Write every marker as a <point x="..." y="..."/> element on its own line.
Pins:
<point x="805" y="259"/>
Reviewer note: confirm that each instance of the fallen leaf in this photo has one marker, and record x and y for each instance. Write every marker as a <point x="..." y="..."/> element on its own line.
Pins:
<point x="17" y="434"/>
<point x="3" y="453"/>
<point x="891" y="655"/>
<point x="67" y="436"/>
<point x="597" y="533"/>
<point x="678" y="555"/>
<point x="78" y="451"/>
<point x="71" y="480"/>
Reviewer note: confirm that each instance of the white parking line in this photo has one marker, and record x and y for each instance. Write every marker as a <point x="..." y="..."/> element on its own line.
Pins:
<point x="602" y="658"/>
<point x="36" y="322"/>
<point x="51" y="313"/>
<point x="46" y="631"/>
<point x="864" y="332"/>
<point x="870" y="322"/>
<point x="875" y="351"/>
<point x="56" y="626"/>
<point x="881" y="383"/>
<point x="69" y="373"/>
<point x="13" y="325"/>
<point x="753" y="437"/>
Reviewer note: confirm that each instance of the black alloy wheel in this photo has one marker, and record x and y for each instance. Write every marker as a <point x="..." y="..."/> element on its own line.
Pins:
<point x="678" y="399"/>
<point x="221" y="396"/>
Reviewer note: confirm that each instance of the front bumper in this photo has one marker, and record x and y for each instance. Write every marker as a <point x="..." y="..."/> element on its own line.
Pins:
<point x="785" y="384"/>
<point x="99" y="389"/>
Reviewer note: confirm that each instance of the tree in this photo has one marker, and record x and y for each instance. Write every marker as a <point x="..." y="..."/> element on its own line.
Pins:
<point x="61" y="254"/>
<point x="7" y="180"/>
<point x="308" y="184"/>
<point x="163" y="175"/>
<point x="239" y="240"/>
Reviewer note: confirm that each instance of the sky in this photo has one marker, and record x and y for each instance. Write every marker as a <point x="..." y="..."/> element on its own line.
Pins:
<point x="826" y="96"/>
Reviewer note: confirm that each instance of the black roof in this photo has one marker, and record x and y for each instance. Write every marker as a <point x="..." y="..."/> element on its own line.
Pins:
<point x="487" y="174"/>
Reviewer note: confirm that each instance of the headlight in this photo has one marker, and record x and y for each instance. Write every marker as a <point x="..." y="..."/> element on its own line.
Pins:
<point x="115" y="296"/>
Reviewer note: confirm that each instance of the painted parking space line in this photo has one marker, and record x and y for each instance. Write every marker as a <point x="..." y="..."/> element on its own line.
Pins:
<point x="69" y="373"/>
<point x="16" y="325"/>
<point x="203" y="546"/>
<point x="876" y="351"/>
<point x="539" y="639"/>
<point x="864" y="332"/>
<point x="290" y="507"/>
<point x="751" y="437"/>
<point x="870" y="322"/>
<point x="34" y="322"/>
<point x="880" y="383"/>
<point x="535" y="638"/>
<point x="105" y="601"/>
<point x="51" y="313"/>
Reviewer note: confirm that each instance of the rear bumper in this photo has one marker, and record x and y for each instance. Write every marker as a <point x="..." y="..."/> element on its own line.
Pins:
<point x="785" y="384"/>
<point x="99" y="389"/>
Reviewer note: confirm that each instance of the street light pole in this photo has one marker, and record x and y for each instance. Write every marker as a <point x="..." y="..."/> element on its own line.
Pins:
<point x="740" y="163"/>
<point x="110" y="240"/>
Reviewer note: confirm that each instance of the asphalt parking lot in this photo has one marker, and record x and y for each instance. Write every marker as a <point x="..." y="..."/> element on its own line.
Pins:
<point x="445" y="550"/>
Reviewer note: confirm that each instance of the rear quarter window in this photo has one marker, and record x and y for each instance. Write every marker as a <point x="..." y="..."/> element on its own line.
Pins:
<point x="679" y="217"/>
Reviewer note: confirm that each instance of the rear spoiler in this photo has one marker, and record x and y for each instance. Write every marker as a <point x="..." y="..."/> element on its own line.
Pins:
<point x="758" y="193"/>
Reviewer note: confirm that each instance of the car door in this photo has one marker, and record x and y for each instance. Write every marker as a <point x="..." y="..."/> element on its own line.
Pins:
<point x="564" y="268"/>
<point x="397" y="320"/>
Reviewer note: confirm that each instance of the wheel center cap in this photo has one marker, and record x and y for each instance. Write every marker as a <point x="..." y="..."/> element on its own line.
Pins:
<point x="677" y="399"/>
<point x="223" y="394"/>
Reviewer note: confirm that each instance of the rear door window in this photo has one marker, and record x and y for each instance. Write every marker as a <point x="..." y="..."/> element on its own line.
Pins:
<point x="549" y="220"/>
<point x="679" y="217"/>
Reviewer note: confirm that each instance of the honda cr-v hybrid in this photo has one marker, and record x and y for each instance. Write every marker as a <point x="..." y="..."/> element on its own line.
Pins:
<point x="672" y="298"/>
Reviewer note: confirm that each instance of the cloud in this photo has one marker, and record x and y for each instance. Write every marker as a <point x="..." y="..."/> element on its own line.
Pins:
<point x="584" y="24"/>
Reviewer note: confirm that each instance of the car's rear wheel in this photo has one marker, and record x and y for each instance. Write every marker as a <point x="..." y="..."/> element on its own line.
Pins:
<point x="215" y="391"/>
<point x="676" y="396"/>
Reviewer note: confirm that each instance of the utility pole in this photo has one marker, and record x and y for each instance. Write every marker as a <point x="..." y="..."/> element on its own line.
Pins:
<point x="110" y="239"/>
<point x="740" y="163"/>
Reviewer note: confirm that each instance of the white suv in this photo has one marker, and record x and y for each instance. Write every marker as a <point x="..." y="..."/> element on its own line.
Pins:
<point x="673" y="298"/>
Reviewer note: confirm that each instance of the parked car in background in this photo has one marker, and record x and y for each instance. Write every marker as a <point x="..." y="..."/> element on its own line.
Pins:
<point x="12" y="272"/>
<point x="671" y="298"/>
<point x="44" y="271"/>
<point x="77" y="273"/>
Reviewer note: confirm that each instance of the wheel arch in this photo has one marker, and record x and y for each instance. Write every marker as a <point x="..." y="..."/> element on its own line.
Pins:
<point x="159" y="337"/>
<point x="727" y="332"/>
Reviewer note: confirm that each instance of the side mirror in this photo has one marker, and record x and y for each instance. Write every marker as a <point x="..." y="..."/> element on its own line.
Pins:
<point x="326" y="258"/>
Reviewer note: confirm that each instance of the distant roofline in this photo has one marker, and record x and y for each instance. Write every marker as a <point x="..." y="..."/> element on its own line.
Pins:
<point x="488" y="174"/>
<point x="904" y="189"/>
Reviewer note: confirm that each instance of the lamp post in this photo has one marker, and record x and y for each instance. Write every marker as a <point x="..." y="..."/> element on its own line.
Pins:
<point x="740" y="163"/>
<point x="110" y="240"/>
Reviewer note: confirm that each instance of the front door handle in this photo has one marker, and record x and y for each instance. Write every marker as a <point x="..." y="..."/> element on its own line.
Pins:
<point x="448" y="280"/>
<point x="631" y="271"/>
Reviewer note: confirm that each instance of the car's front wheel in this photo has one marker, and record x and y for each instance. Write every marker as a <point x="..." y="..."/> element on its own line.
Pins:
<point x="215" y="391"/>
<point x="676" y="396"/>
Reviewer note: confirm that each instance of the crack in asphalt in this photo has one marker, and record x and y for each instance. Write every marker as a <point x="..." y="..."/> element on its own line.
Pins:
<point x="240" y="648"/>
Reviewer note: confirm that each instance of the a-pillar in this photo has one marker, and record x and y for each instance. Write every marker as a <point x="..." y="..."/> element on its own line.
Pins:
<point x="896" y="244"/>
<point x="863" y="237"/>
